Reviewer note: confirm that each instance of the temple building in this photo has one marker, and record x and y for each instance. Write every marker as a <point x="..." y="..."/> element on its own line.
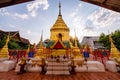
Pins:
<point x="59" y="37"/>
<point x="93" y="42"/>
<point x="15" y="36"/>
<point x="59" y="42"/>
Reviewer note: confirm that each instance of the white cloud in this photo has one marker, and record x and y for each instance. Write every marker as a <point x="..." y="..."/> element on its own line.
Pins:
<point x="32" y="36"/>
<point x="11" y="26"/>
<point x="76" y="22"/>
<point x="33" y="13"/>
<point x="104" y="18"/>
<point x="4" y="12"/>
<point x="22" y="16"/>
<point x="75" y="19"/>
<point x="80" y="5"/>
<point x="99" y="21"/>
<point x="88" y="28"/>
<point x="73" y="14"/>
<point x="33" y="7"/>
<point x="28" y="32"/>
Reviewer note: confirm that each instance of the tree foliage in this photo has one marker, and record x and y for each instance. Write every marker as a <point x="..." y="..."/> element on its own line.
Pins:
<point x="116" y="38"/>
<point x="105" y="39"/>
<point x="3" y="41"/>
<point x="12" y="44"/>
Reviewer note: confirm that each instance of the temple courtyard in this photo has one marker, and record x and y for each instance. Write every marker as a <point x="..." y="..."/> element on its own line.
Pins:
<point x="59" y="58"/>
<point x="11" y="75"/>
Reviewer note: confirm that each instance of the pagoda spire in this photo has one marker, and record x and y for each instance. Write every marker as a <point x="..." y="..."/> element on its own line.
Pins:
<point x="41" y="36"/>
<point x="75" y="39"/>
<point x="115" y="53"/>
<point x="4" y="51"/>
<point x="40" y="45"/>
<point x="59" y="8"/>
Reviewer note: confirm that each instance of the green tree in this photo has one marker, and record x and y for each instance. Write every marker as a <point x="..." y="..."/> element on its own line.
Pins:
<point x="3" y="41"/>
<point x="13" y="45"/>
<point x="116" y="38"/>
<point x="105" y="39"/>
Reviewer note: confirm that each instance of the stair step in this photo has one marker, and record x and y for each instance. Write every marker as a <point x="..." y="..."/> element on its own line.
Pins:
<point x="61" y="68"/>
<point x="54" y="67"/>
<point x="58" y="66"/>
<point x="62" y="65"/>
<point x="58" y="72"/>
<point x="61" y="60"/>
<point x="57" y="63"/>
<point x="58" y="69"/>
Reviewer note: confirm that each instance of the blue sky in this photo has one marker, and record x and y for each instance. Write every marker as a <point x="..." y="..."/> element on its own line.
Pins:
<point x="31" y="18"/>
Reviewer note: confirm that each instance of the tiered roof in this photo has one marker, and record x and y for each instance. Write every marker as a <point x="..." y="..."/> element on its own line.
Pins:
<point x="14" y="35"/>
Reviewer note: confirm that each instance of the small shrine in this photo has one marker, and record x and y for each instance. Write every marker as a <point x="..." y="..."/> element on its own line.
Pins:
<point x="114" y="52"/>
<point x="4" y="51"/>
<point x="39" y="50"/>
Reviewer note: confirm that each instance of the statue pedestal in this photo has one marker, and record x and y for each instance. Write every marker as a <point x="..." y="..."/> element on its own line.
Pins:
<point x="7" y="65"/>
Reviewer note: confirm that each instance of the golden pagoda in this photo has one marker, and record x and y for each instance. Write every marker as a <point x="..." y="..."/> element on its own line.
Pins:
<point x="59" y="37"/>
<point x="59" y="29"/>
<point x="114" y="51"/>
<point x="76" y="50"/>
<point x="4" y="51"/>
<point x="39" y="51"/>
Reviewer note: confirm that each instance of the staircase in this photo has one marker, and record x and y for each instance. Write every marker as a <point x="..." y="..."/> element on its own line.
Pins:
<point x="58" y="68"/>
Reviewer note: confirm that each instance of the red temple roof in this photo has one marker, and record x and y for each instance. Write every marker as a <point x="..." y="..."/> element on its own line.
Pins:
<point x="58" y="45"/>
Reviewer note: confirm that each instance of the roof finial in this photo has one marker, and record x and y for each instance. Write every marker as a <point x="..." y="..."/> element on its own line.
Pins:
<point x="41" y="36"/>
<point x="75" y="38"/>
<point x="75" y="33"/>
<point x="40" y="44"/>
<point x="59" y="8"/>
